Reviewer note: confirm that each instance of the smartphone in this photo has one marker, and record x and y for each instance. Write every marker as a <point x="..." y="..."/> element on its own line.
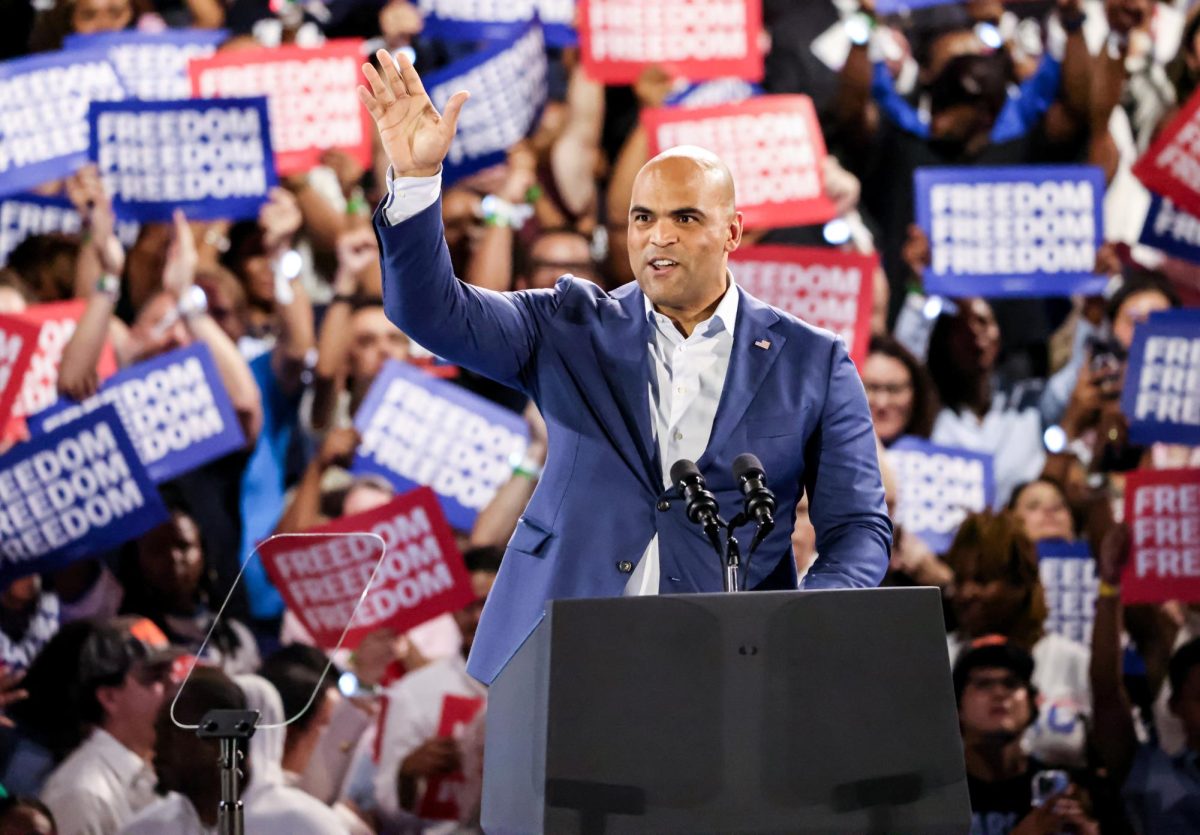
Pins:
<point x="1046" y="784"/>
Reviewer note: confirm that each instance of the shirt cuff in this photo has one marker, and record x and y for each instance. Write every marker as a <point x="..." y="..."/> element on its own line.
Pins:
<point x="409" y="196"/>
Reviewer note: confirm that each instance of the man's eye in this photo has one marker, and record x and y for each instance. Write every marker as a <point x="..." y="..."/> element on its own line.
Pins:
<point x="641" y="218"/>
<point x="687" y="219"/>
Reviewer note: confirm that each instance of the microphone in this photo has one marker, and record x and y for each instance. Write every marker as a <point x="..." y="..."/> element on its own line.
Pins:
<point x="760" y="501"/>
<point x="701" y="503"/>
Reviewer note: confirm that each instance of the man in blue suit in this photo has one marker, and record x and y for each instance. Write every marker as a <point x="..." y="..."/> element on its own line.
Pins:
<point x="680" y="364"/>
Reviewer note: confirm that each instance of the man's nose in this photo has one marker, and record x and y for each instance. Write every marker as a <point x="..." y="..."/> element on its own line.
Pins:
<point x="663" y="233"/>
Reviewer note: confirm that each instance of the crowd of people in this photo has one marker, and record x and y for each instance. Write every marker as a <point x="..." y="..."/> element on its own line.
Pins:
<point x="1058" y="735"/>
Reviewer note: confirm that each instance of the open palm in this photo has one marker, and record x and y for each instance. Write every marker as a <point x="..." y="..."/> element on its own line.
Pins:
<point x="414" y="135"/>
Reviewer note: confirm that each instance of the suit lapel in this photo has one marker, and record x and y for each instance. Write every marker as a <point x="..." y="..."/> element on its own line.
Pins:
<point x="757" y="343"/>
<point x="625" y="337"/>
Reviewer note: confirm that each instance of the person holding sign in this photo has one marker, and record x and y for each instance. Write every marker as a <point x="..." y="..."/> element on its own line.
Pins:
<point x="726" y="374"/>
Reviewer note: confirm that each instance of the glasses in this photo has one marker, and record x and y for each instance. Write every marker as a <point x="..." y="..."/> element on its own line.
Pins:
<point x="889" y="389"/>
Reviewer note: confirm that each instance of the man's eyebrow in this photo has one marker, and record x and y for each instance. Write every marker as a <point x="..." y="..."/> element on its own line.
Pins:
<point x="688" y="210"/>
<point x="639" y="210"/>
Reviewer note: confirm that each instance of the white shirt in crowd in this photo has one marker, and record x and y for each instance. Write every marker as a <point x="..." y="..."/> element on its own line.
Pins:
<point x="269" y="808"/>
<point x="414" y="710"/>
<point x="685" y="388"/>
<point x="1060" y="673"/>
<point x="99" y="787"/>
<point x="1013" y="438"/>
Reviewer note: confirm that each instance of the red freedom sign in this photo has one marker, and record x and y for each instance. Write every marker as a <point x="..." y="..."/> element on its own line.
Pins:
<point x="772" y="144"/>
<point x="1162" y="510"/>
<point x="824" y="287"/>
<point x="695" y="39"/>
<point x="418" y="572"/>
<point x="18" y="341"/>
<point x="310" y="92"/>
<point x="1171" y="166"/>
<point x="54" y="324"/>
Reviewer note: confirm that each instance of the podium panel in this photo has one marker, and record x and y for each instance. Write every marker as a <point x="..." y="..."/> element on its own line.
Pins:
<point x="798" y="712"/>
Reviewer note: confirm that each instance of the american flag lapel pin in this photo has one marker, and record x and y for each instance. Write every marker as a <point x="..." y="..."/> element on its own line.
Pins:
<point x="763" y="343"/>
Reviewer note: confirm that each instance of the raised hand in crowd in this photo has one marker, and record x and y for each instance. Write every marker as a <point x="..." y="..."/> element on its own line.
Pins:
<point x="1060" y="813"/>
<point x="304" y="510"/>
<point x="491" y="263"/>
<point x="400" y="22"/>
<point x="346" y="167"/>
<point x="280" y="220"/>
<point x="437" y="755"/>
<point x="102" y="252"/>
<point x="498" y="519"/>
<point x="414" y="135"/>
<point x="179" y="273"/>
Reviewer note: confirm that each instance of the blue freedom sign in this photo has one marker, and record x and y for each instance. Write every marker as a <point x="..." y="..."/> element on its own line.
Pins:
<point x="498" y="20"/>
<point x="507" y="83"/>
<point x="210" y="157"/>
<point x="152" y="66"/>
<point x="44" y="100"/>
<point x="76" y="491"/>
<point x="1161" y="397"/>
<point x="1013" y="230"/>
<point x="25" y="215"/>
<point x="174" y="407"/>
<point x="1172" y="230"/>
<point x="939" y="486"/>
<point x="419" y="430"/>
<point x="1069" y="579"/>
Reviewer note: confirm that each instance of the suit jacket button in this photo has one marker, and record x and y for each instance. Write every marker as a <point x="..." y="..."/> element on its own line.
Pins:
<point x="625" y="566"/>
<point x="664" y="505"/>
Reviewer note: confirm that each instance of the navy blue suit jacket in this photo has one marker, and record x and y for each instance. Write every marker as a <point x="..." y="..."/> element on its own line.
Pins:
<point x="582" y="355"/>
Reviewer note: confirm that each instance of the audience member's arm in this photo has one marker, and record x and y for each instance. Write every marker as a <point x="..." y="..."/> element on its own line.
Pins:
<point x="235" y="373"/>
<point x="101" y="255"/>
<point x="497" y="521"/>
<point x="491" y="263"/>
<point x="280" y="218"/>
<point x="574" y="154"/>
<point x="357" y="251"/>
<point x="304" y="511"/>
<point x="206" y="14"/>
<point x="1113" y="735"/>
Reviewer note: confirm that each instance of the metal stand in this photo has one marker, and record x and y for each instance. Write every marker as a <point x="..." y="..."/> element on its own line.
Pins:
<point x="229" y="727"/>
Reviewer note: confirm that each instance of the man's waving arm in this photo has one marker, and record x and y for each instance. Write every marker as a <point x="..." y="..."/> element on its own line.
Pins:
<point x="492" y="333"/>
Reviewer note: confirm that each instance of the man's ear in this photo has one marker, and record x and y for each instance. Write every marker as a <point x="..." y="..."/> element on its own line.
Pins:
<point x="107" y="698"/>
<point x="734" y="240"/>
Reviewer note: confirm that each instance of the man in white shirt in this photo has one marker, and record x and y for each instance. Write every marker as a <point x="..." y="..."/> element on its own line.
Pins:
<point x="412" y="752"/>
<point x="124" y="666"/>
<point x="188" y="773"/>
<point x="680" y="364"/>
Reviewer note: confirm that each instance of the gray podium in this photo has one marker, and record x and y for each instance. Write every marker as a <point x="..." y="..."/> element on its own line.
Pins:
<point x="805" y="712"/>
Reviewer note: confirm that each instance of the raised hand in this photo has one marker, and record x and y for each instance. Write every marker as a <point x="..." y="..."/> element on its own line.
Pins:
<point x="415" y="136"/>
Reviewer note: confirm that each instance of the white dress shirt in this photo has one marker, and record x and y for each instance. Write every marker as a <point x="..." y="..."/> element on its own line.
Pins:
<point x="99" y="787"/>
<point x="688" y="372"/>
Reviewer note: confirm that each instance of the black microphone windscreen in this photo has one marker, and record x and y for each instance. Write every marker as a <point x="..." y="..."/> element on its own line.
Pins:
<point x="745" y="464"/>
<point x="682" y="469"/>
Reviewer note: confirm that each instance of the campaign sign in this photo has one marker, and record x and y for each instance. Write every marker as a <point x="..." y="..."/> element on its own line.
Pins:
<point x="1172" y="230"/>
<point x="1162" y="510"/>
<point x="420" y="430"/>
<point x="772" y="145"/>
<point x="695" y="39"/>
<point x="443" y="796"/>
<point x="18" y="341"/>
<point x="1171" y="165"/>
<point x="498" y="20"/>
<point x="1012" y="231"/>
<point x="714" y="92"/>
<point x="25" y="215"/>
<point x="507" y="83"/>
<point x="888" y="7"/>
<point x="822" y="286"/>
<point x="72" y="492"/>
<point x="939" y="486"/>
<point x="55" y="323"/>
<point x="152" y="66"/>
<point x="174" y="407"/>
<point x="210" y="158"/>
<point x="418" y="576"/>
<point x="44" y="100"/>
<point x="311" y="93"/>
<point x="1161" y="396"/>
<point x="1069" y="579"/>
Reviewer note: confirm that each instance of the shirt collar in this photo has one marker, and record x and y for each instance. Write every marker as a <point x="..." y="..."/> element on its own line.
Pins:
<point x="122" y="760"/>
<point x="723" y="318"/>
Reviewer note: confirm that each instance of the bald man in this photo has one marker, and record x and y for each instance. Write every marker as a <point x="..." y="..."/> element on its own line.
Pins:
<point x="681" y="364"/>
